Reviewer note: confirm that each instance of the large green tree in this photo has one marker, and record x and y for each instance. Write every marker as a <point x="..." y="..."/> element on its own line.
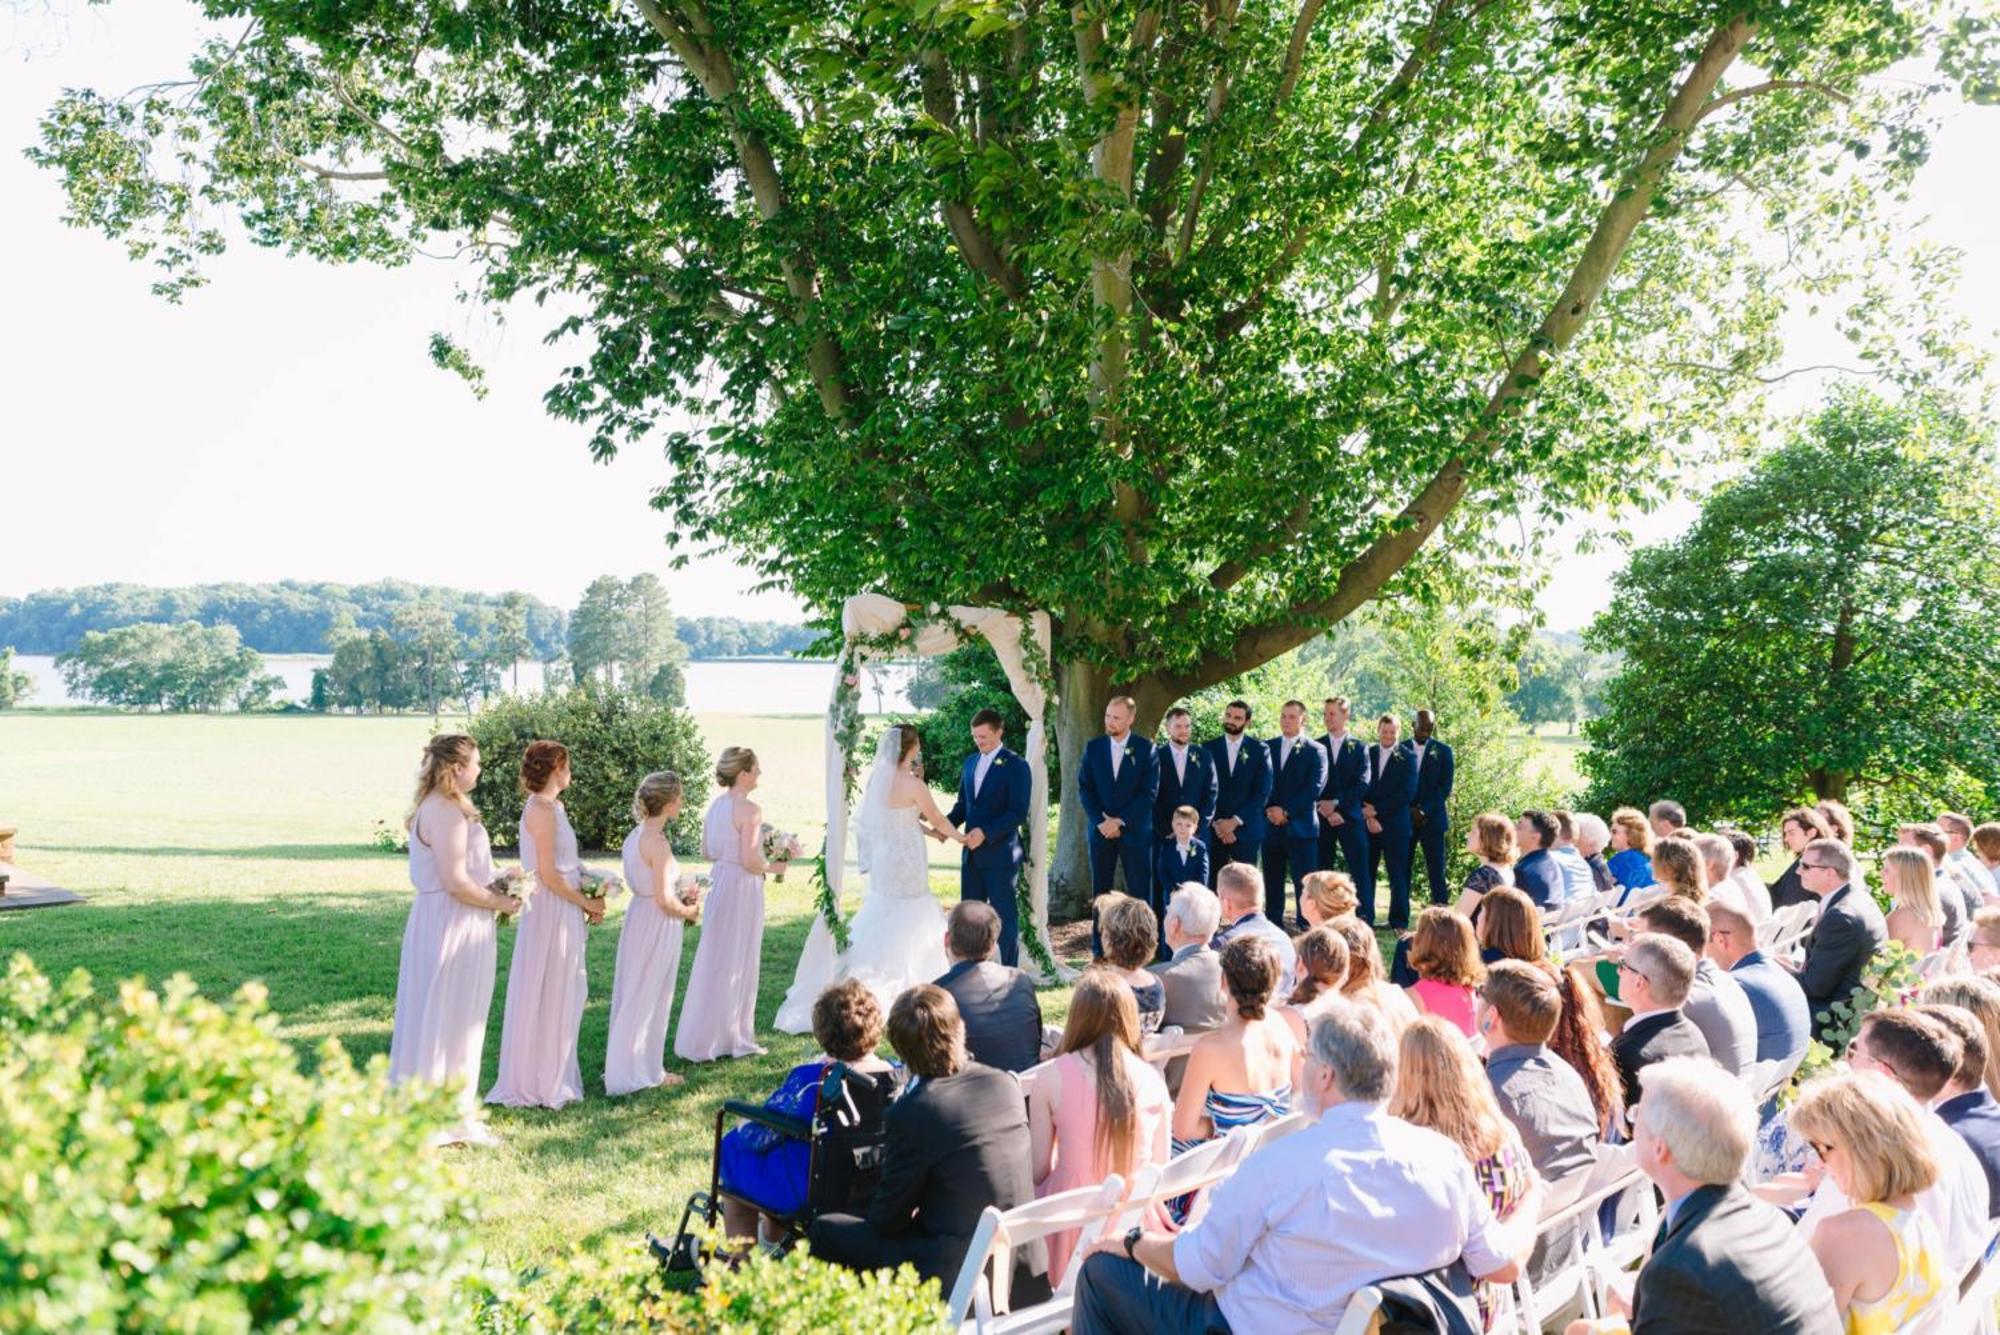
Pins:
<point x="1190" y="321"/>
<point x="1830" y="627"/>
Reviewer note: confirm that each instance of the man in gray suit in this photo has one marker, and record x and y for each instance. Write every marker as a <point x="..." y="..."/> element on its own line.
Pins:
<point x="1192" y="978"/>
<point x="1724" y="1259"/>
<point x="1002" y="1016"/>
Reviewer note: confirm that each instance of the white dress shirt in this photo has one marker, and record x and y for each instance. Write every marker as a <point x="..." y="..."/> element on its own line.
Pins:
<point x="979" y="770"/>
<point x="1358" y="1197"/>
<point x="1117" y="751"/>
<point x="1231" y="746"/>
<point x="1285" y="745"/>
<point x="1972" y="874"/>
<point x="1418" y="747"/>
<point x="1180" y="761"/>
<point x="1955" y="1204"/>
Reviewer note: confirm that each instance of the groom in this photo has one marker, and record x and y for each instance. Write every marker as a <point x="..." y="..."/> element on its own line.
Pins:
<point x="993" y="795"/>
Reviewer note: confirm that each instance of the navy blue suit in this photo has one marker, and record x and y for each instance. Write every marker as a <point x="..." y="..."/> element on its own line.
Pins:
<point x="1392" y="790"/>
<point x="1537" y="876"/>
<point x="1198" y="791"/>
<point x="1240" y="793"/>
<point x="1171" y="871"/>
<point x="1129" y="796"/>
<point x="1435" y="774"/>
<point x="999" y="808"/>
<point x="1294" y="846"/>
<point x="1346" y="787"/>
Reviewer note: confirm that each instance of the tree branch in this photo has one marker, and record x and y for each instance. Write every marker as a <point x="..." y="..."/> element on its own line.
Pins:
<point x="975" y="244"/>
<point x="1736" y="95"/>
<point x="1231" y="572"/>
<point x="1295" y="52"/>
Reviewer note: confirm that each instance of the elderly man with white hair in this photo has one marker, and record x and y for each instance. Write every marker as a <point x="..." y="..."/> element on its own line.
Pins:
<point x="1724" y="1260"/>
<point x="1356" y="1198"/>
<point x="1593" y="836"/>
<point x="1718" y="859"/>
<point x="1192" y="975"/>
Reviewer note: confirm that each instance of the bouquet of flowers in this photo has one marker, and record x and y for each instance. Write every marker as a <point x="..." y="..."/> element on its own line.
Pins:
<point x="514" y="881"/>
<point x="780" y="847"/>
<point x="596" y="884"/>
<point x="692" y="888"/>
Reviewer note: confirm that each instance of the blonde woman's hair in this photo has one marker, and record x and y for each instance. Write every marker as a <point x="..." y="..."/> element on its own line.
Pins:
<point x="1638" y="830"/>
<point x="1440" y="1085"/>
<point x="1877" y="1125"/>
<point x="1364" y="957"/>
<point x="443" y="754"/>
<point x="1678" y="866"/>
<point x="1332" y="892"/>
<point x="1907" y="880"/>
<point x="655" y="791"/>
<point x="735" y="760"/>
<point x="1981" y="996"/>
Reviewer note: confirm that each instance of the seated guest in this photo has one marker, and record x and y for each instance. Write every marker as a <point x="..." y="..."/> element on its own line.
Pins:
<point x="1777" y="1003"/>
<point x="1192" y="976"/>
<point x="1965" y="1104"/>
<point x="1579" y="1040"/>
<point x="1536" y="874"/>
<point x="1986" y="847"/>
<point x="1723" y="1261"/>
<point x="1578" y="880"/>
<point x="1917" y="918"/>
<point x="1678" y="868"/>
<point x="1718" y="865"/>
<point x="1323" y="969"/>
<point x="759" y="1165"/>
<point x="1535" y="1090"/>
<point x="1839" y="821"/>
<point x="1511" y="929"/>
<point x="1592" y="838"/>
<point x="1002" y="1017"/>
<point x="1181" y="857"/>
<point x="958" y="1141"/>
<point x="1128" y="931"/>
<point x="1800" y="827"/>
<point x="1743" y="874"/>
<point x="1716" y="1003"/>
<point x="1980" y="998"/>
<point x="1444" y="954"/>
<point x="1631" y="858"/>
<point x="1958" y="906"/>
<point x="1963" y="863"/>
<point x="1240" y="888"/>
<point x="1491" y="840"/>
<point x="1921" y="1055"/>
<point x="1848" y="933"/>
<point x="1303" y="1223"/>
<point x="1440" y="1085"/>
<point x="1097" y="1108"/>
<point x="1653" y="981"/>
<point x="1882" y="1258"/>
<point x="1667" y="819"/>
<point x="1982" y="951"/>
<point x="1367" y="984"/>
<point x="1326" y="895"/>
<point x="1240" y="1074"/>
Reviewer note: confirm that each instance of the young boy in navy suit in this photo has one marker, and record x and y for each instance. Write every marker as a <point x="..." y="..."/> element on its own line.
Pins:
<point x="1181" y="859"/>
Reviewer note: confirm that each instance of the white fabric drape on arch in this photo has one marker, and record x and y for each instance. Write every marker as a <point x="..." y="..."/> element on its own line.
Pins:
<point x="871" y="615"/>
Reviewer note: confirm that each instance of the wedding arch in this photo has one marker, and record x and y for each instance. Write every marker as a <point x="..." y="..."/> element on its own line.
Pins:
<point x="874" y="628"/>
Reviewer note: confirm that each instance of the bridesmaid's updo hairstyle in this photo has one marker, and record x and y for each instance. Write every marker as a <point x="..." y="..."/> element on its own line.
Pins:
<point x="539" y="763"/>
<point x="655" y="791"/>
<point x="735" y="760"/>
<point x="443" y="754"/>
<point x="1250" y="972"/>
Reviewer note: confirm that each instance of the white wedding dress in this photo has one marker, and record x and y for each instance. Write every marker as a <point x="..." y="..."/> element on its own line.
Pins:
<point x="896" y="939"/>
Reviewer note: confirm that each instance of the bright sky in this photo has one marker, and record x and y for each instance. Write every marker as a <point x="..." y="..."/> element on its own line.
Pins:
<point x="285" y="421"/>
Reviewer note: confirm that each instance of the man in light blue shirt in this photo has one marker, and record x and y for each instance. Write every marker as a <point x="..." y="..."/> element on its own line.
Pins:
<point x="1579" y="882"/>
<point x="1356" y="1198"/>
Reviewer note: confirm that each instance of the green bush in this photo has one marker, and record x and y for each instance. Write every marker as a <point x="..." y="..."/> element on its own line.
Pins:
<point x="165" y="1166"/>
<point x="615" y="738"/>
<point x="599" y="1294"/>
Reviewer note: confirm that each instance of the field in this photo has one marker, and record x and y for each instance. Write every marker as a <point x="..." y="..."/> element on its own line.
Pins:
<point x="236" y="848"/>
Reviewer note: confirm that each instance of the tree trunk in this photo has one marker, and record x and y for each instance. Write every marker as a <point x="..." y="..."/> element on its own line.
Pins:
<point x="1829" y="785"/>
<point x="1082" y="689"/>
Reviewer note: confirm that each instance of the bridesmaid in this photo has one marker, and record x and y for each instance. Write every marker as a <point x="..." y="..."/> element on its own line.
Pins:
<point x="719" y="1017"/>
<point x="445" y="986"/>
<point x="546" y="984"/>
<point x="649" y="944"/>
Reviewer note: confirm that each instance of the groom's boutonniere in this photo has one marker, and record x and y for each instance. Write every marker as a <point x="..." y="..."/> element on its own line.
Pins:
<point x="998" y="761"/>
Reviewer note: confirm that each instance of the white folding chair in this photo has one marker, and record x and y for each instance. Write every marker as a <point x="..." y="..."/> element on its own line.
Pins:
<point x="1161" y="1048"/>
<point x="1978" y="1290"/>
<point x="1184" y="1174"/>
<point x="1571" y="1200"/>
<point x="1362" y="1306"/>
<point x="1031" y="1075"/>
<point x="981" y="1302"/>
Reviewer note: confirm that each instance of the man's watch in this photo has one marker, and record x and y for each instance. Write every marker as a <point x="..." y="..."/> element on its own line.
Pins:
<point x="1132" y="1236"/>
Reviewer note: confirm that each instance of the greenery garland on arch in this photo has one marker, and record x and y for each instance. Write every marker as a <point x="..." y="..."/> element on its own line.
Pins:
<point x="849" y="732"/>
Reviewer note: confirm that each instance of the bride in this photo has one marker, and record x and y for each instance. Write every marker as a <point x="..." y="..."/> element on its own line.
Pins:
<point x="896" y="939"/>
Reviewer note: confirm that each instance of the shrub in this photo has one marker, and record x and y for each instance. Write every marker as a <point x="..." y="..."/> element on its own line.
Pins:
<point x="615" y="737"/>
<point x="165" y="1166"/>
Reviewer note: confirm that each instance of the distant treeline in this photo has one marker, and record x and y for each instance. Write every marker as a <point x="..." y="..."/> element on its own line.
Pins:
<point x="306" y="617"/>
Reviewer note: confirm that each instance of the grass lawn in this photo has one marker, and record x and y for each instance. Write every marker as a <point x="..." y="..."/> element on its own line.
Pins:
<point x="233" y="848"/>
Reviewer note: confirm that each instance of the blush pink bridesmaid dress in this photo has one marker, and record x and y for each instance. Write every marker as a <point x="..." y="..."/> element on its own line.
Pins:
<point x="642" y="990"/>
<point x="719" y="1015"/>
<point x="546" y="988"/>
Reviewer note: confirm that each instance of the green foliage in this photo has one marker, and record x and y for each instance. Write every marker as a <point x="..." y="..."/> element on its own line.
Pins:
<point x="1886" y="983"/>
<point x="1561" y="681"/>
<point x="15" y="687"/>
<point x="171" y="668"/>
<point x="732" y="637"/>
<point x="290" y="617"/>
<point x="952" y="688"/>
<point x="624" y="631"/>
<point x="1827" y="629"/>
<point x="615" y="738"/>
<point x="167" y="1167"/>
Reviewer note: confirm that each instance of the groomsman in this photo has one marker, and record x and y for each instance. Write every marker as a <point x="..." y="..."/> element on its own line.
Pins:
<point x="1117" y="785"/>
<point x="994" y="791"/>
<point x="1242" y="768"/>
<point x="1436" y="769"/>
<point x="1298" y="773"/>
<point x="1342" y="829"/>
<point x="1187" y="779"/>
<point x="1392" y="787"/>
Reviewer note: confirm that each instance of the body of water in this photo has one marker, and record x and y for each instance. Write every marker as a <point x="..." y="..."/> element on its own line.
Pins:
<point x="730" y="685"/>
